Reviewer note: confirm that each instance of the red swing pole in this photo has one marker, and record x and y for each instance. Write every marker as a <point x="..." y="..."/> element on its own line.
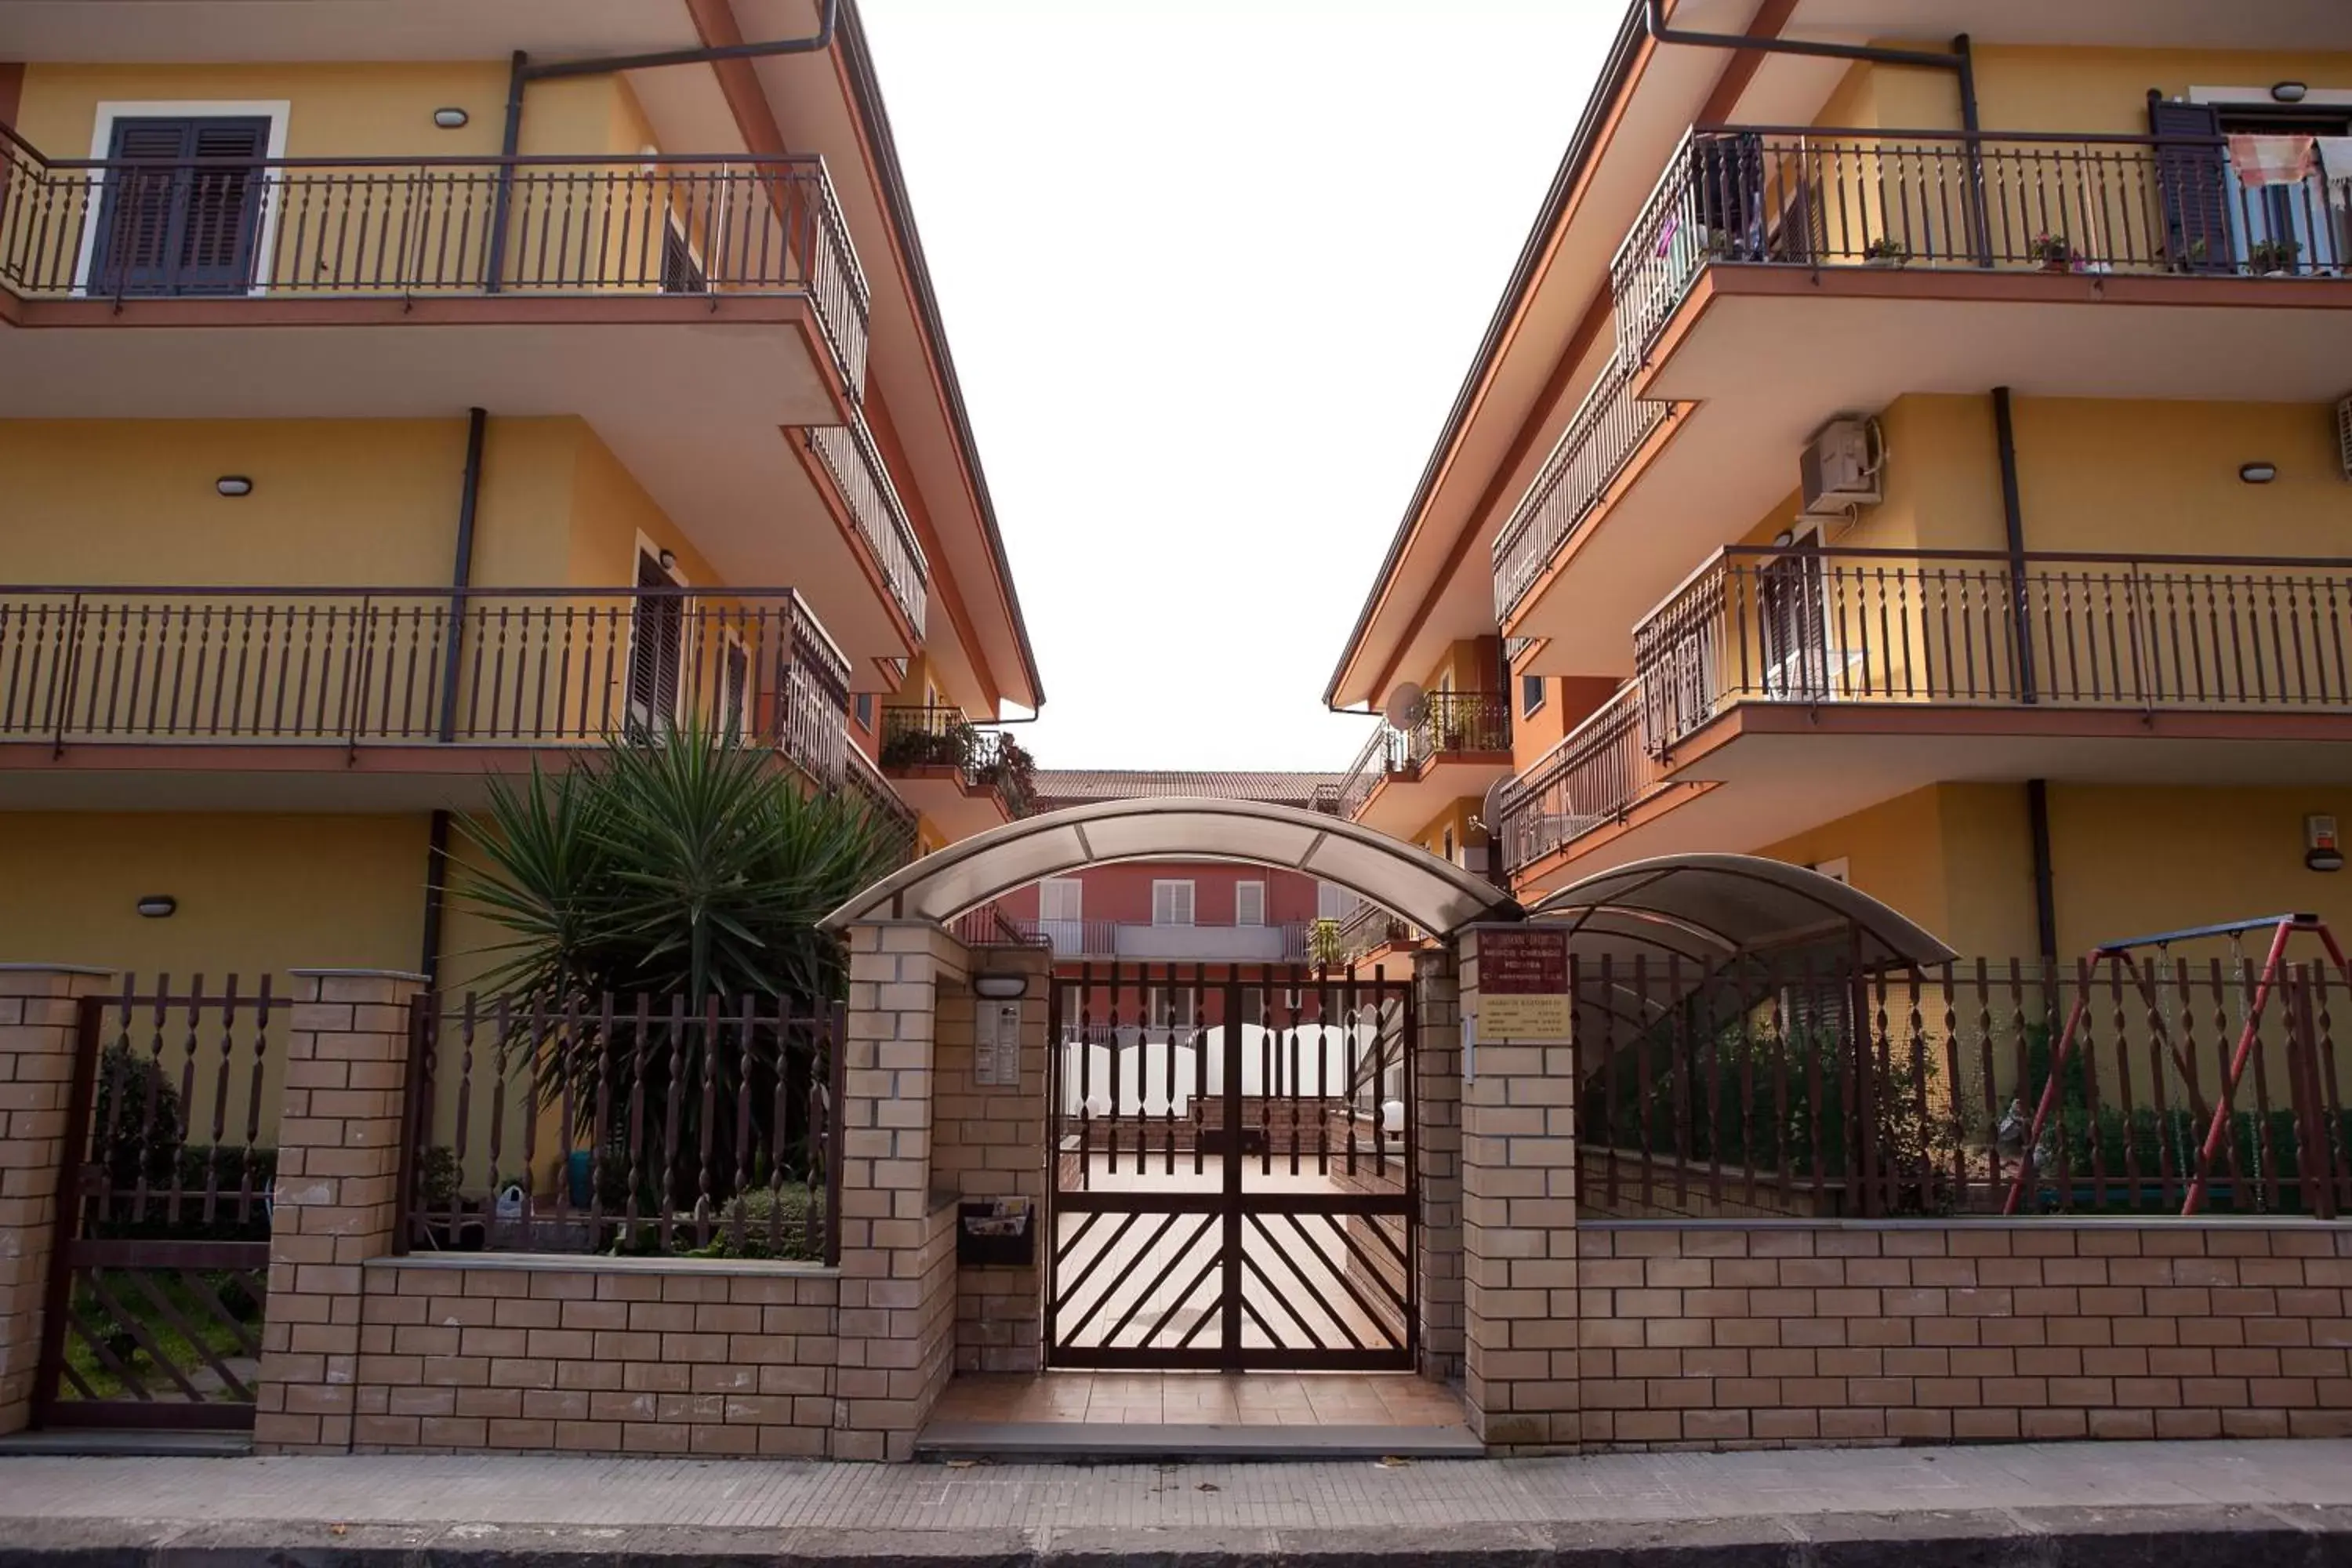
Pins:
<point x="2058" y="1055"/>
<point x="2238" y="1060"/>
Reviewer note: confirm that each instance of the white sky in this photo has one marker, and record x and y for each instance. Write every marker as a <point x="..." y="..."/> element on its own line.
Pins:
<point x="1212" y="273"/>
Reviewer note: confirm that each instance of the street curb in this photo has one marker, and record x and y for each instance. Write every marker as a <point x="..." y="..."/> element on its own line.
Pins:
<point x="2203" y="1536"/>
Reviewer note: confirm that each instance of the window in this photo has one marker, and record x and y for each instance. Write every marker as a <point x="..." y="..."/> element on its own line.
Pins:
<point x="1061" y="913"/>
<point x="1449" y="844"/>
<point x="1167" y="1008"/>
<point x="656" y="649"/>
<point x="735" y="717"/>
<point x="1835" y="870"/>
<point x="1331" y="901"/>
<point x="189" y="223"/>
<point x="1249" y="903"/>
<point x="680" y="272"/>
<point x="1171" y="903"/>
<point x="866" y="711"/>
<point x="1531" y="694"/>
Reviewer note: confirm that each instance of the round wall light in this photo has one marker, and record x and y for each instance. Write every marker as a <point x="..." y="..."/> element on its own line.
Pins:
<point x="158" y="906"/>
<point x="2322" y="851"/>
<point x="2289" y="91"/>
<point x="1000" y="987"/>
<point x="668" y="560"/>
<point x="450" y="119"/>
<point x="234" y="484"/>
<point x="2258" y="473"/>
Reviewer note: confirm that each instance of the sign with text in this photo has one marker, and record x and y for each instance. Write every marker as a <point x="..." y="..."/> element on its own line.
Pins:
<point x="1523" y="984"/>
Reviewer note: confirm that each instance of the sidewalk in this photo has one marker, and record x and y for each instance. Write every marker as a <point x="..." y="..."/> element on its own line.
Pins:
<point x="2276" y="1505"/>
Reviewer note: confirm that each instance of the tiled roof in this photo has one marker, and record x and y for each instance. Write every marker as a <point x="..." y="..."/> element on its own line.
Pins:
<point x="1071" y="786"/>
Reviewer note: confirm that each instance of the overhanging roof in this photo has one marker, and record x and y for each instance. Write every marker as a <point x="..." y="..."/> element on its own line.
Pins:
<point x="1706" y="911"/>
<point x="1404" y="878"/>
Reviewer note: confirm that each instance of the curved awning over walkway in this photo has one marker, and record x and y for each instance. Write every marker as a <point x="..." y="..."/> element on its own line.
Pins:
<point x="1404" y="878"/>
<point x="1737" y="927"/>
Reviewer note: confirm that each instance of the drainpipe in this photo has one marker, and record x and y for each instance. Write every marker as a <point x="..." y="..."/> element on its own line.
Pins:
<point x="521" y="73"/>
<point x="2045" y="893"/>
<point x="1958" y="60"/>
<point x="461" y="576"/>
<point x="2013" y="516"/>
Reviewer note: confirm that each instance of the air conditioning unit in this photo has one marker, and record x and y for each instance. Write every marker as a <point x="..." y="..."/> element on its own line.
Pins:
<point x="1841" y="467"/>
<point x="2344" y="436"/>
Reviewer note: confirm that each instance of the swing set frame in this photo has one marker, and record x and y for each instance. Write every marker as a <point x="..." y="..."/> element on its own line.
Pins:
<point x="2116" y="954"/>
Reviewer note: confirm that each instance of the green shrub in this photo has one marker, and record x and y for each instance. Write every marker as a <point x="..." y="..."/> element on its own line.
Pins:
<point x="785" y="1211"/>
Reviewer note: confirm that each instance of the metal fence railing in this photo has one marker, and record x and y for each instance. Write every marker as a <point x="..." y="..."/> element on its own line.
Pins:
<point x="632" y="1123"/>
<point x="936" y="734"/>
<point x="1818" y="1087"/>
<point x="354" y="227"/>
<point x="360" y="667"/>
<point x="863" y="481"/>
<point x="1606" y="431"/>
<point x="2012" y="200"/>
<point x="1598" y="772"/>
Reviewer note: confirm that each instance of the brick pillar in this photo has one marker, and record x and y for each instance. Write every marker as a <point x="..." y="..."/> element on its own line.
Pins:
<point x="336" y="1197"/>
<point x="1437" y="1155"/>
<point x="40" y="1034"/>
<point x="988" y="1140"/>
<point x="897" y="1238"/>
<point x="1518" y="1234"/>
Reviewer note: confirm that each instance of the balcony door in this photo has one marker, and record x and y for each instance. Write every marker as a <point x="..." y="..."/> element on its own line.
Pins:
<point x="1792" y="603"/>
<point x="1061" y="913"/>
<point x="182" y="208"/>
<point x="657" y="649"/>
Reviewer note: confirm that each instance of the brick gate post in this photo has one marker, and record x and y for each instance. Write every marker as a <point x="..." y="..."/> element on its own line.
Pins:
<point x="1437" y="1156"/>
<point x="40" y="1032"/>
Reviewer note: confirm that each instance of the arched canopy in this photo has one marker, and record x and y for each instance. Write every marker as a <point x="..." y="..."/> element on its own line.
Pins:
<point x="1404" y="878"/>
<point x="1710" y="909"/>
<point x="1734" y="927"/>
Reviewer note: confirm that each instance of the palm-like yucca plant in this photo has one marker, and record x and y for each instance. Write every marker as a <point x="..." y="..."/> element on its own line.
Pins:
<point x="692" y="869"/>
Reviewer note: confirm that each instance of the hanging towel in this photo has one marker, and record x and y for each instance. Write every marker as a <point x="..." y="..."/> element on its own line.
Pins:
<point x="2271" y="160"/>
<point x="2335" y="156"/>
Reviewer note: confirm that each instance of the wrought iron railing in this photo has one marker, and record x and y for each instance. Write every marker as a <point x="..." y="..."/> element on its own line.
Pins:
<point x="1607" y="430"/>
<point x="938" y="734"/>
<point x="403" y="228"/>
<point x="1451" y="722"/>
<point x="362" y="667"/>
<point x="1971" y="627"/>
<point x="2013" y="200"/>
<point x="646" y="1123"/>
<point x="1598" y="772"/>
<point x="861" y="778"/>
<point x="863" y="482"/>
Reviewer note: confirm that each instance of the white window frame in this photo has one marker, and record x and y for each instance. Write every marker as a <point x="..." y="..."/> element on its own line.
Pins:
<point x="1192" y="905"/>
<point x="1530" y="710"/>
<point x="1239" y="887"/>
<point x="1332" y="901"/>
<point x="101" y="140"/>
<point x="1836" y="871"/>
<point x="1074" y="887"/>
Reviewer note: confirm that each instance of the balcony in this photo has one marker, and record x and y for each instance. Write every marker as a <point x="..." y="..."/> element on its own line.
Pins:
<point x="398" y="696"/>
<point x="1082" y="939"/>
<point x="1817" y="682"/>
<point x="860" y="483"/>
<point x="1608" y="429"/>
<point x="1908" y="234"/>
<point x="860" y="777"/>
<point x="280" y="241"/>
<point x="1402" y="777"/>
<point x="964" y="778"/>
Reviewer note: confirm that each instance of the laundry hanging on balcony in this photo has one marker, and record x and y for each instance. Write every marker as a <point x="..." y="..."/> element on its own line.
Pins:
<point x="2271" y="160"/>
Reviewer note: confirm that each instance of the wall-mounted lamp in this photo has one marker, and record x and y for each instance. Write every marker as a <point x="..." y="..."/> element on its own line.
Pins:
<point x="2322" y="851"/>
<point x="2289" y="91"/>
<point x="668" y="560"/>
<point x="2258" y="473"/>
<point x="450" y="119"/>
<point x="1782" y="539"/>
<point x="158" y="906"/>
<point x="1000" y="987"/>
<point x="234" y="484"/>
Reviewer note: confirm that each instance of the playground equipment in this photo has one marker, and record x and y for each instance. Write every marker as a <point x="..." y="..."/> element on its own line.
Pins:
<point x="2116" y="956"/>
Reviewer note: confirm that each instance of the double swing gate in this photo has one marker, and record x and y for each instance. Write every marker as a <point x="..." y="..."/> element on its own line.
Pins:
<point x="1234" y="1164"/>
<point x="159" y="1272"/>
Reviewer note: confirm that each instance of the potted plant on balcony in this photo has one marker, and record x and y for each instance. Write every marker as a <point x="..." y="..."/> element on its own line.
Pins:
<point x="2053" y="251"/>
<point x="1885" y="251"/>
<point x="2192" y="257"/>
<point x="1326" y="948"/>
<point x="951" y="745"/>
<point x="2269" y="257"/>
<point x="1012" y="772"/>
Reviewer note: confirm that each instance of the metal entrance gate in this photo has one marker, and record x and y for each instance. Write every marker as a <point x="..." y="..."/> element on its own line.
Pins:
<point x="1233" y="1169"/>
<point x="160" y="1267"/>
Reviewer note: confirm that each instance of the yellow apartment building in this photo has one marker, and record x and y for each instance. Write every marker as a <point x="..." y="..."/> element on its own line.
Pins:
<point x="1914" y="443"/>
<point x="395" y="397"/>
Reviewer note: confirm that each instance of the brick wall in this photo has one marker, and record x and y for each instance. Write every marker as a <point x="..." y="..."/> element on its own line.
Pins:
<point x="620" y="1356"/>
<point x="988" y="1140"/>
<point x="1804" y="1334"/>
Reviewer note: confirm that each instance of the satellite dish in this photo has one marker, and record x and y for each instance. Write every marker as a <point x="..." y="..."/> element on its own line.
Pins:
<point x="1490" y="810"/>
<point x="1407" y="707"/>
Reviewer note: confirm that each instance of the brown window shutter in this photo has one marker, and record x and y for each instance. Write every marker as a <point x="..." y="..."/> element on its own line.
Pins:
<point x="182" y="219"/>
<point x="2193" y="180"/>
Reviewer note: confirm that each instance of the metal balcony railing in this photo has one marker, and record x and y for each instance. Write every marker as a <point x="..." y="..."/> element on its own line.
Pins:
<point x="861" y="778"/>
<point x="938" y="734"/>
<point x="1452" y="721"/>
<point x="863" y="481"/>
<point x="403" y="228"/>
<point x="1607" y="430"/>
<point x="2011" y="200"/>
<point x="1981" y="629"/>
<point x="362" y="667"/>
<point x="1601" y="770"/>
